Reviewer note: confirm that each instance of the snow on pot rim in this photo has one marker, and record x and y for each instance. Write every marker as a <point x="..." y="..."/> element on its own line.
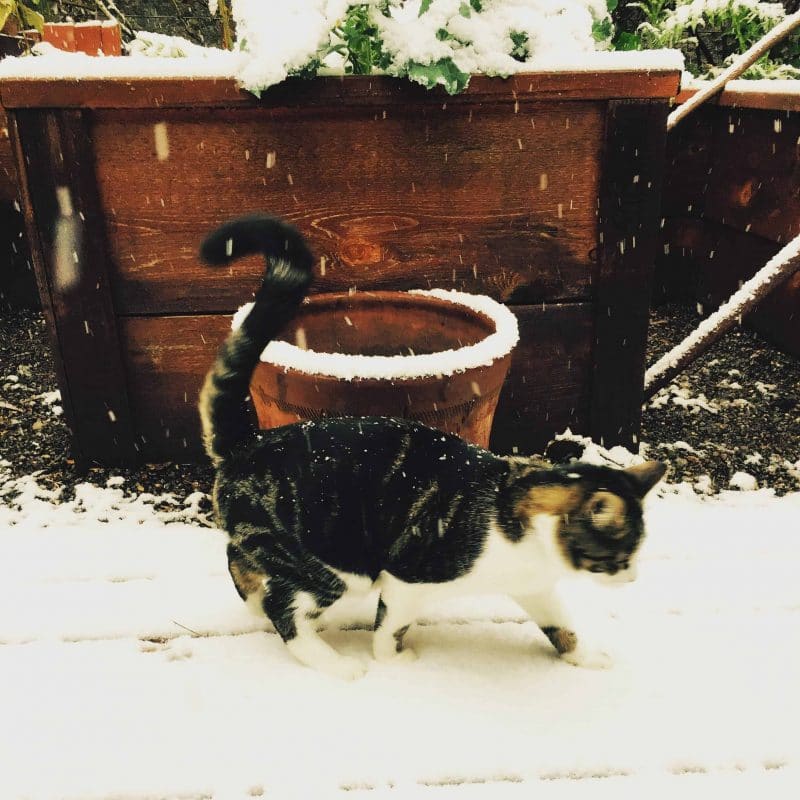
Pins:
<point x="349" y="367"/>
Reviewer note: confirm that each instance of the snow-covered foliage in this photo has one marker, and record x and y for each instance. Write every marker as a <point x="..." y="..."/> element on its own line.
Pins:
<point x="430" y="41"/>
<point x="158" y="45"/>
<point x="733" y="25"/>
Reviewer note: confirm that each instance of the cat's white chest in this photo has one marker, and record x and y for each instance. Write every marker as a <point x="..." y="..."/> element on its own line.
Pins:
<point x="525" y="567"/>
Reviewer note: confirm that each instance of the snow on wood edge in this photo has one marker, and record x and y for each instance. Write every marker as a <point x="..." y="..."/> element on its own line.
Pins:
<point x="222" y="65"/>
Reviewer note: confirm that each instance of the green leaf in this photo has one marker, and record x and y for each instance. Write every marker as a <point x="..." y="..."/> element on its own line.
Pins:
<point x="477" y="5"/>
<point x="521" y="50"/>
<point x="602" y="29"/>
<point x="465" y="10"/>
<point x="627" y="41"/>
<point x="31" y="17"/>
<point x="424" y="6"/>
<point x="611" y="5"/>
<point x="6" y="7"/>
<point x="443" y="72"/>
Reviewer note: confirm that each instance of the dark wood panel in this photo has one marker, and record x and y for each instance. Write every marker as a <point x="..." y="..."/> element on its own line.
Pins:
<point x="17" y="283"/>
<point x="548" y="384"/>
<point x="58" y="158"/>
<point x="719" y="259"/>
<point x="630" y="198"/>
<point x="688" y="160"/>
<point x="162" y="93"/>
<point x="166" y="359"/>
<point x="546" y="390"/>
<point x="481" y="199"/>
<point x="755" y="185"/>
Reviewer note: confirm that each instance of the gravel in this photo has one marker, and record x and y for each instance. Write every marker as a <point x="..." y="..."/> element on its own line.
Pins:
<point x="737" y="410"/>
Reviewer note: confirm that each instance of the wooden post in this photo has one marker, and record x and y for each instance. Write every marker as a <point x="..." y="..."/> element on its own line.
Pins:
<point x="58" y="182"/>
<point x="629" y="208"/>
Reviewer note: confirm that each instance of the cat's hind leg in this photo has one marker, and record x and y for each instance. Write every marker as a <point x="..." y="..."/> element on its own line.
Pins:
<point x="284" y="597"/>
<point x="397" y="609"/>
<point x="294" y="614"/>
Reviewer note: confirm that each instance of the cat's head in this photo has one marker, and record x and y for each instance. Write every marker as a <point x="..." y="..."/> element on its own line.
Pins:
<point x="597" y="512"/>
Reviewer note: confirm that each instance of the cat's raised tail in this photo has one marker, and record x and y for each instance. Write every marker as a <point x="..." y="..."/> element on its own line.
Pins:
<point x="223" y="410"/>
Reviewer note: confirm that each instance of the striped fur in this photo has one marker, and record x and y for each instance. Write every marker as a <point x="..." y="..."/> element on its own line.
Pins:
<point x="319" y="511"/>
<point x="223" y="411"/>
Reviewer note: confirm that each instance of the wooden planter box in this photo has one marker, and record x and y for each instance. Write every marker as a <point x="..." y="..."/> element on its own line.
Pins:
<point x="732" y="200"/>
<point x="542" y="191"/>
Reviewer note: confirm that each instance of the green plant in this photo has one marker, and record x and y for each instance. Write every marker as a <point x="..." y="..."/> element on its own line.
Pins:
<point x="25" y="15"/>
<point x="711" y="34"/>
<point x="359" y="42"/>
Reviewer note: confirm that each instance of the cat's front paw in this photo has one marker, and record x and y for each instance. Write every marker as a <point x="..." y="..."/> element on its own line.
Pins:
<point x="405" y="656"/>
<point x="588" y="659"/>
<point x="347" y="668"/>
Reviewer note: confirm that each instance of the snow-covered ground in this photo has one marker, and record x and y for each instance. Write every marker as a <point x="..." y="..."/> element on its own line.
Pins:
<point x="129" y="668"/>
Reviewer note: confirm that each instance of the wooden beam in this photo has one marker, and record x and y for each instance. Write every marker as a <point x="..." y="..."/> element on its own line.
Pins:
<point x="59" y="179"/>
<point x="135" y="92"/>
<point x="629" y="212"/>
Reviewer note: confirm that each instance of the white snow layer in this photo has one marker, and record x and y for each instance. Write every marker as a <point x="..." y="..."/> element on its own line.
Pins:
<point x="447" y="362"/>
<point x="276" y="39"/>
<point x="762" y="86"/>
<point x="131" y="669"/>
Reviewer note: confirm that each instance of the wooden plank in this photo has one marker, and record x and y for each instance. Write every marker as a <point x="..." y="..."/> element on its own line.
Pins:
<point x="737" y="95"/>
<point x="57" y="157"/>
<point x="546" y="391"/>
<point x="629" y="230"/>
<point x="137" y="92"/>
<point x="481" y="199"/>
<point x="755" y="185"/>
<point x="166" y="359"/>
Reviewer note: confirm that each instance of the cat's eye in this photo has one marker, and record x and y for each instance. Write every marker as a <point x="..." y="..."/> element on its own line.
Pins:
<point x="607" y="511"/>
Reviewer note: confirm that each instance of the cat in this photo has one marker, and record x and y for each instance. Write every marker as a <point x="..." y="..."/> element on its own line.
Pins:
<point x="319" y="510"/>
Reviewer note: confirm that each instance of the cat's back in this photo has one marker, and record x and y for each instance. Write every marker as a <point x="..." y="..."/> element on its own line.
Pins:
<point x="365" y="447"/>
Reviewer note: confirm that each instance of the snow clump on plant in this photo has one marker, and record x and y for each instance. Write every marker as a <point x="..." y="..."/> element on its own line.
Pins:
<point x="429" y="41"/>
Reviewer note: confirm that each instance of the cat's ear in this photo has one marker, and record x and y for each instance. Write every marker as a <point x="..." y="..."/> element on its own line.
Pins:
<point x="647" y="475"/>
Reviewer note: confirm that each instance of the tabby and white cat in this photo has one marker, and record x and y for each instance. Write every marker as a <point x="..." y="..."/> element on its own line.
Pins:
<point x="318" y="510"/>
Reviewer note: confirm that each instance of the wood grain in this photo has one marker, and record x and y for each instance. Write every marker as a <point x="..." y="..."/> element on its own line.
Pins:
<point x="354" y="89"/>
<point x="547" y="388"/>
<point x="756" y="172"/>
<point x="734" y="97"/>
<point x="480" y="199"/>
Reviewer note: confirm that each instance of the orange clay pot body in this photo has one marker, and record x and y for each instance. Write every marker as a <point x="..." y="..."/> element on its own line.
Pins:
<point x="385" y="324"/>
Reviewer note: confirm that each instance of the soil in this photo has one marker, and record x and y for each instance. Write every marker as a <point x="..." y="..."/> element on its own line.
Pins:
<point x="737" y="409"/>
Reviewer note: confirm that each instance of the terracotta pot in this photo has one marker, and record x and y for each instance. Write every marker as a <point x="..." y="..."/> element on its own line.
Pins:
<point x="385" y="324"/>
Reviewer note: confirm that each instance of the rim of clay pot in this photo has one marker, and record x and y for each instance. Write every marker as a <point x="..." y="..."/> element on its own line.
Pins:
<point x="344" y="366"/>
